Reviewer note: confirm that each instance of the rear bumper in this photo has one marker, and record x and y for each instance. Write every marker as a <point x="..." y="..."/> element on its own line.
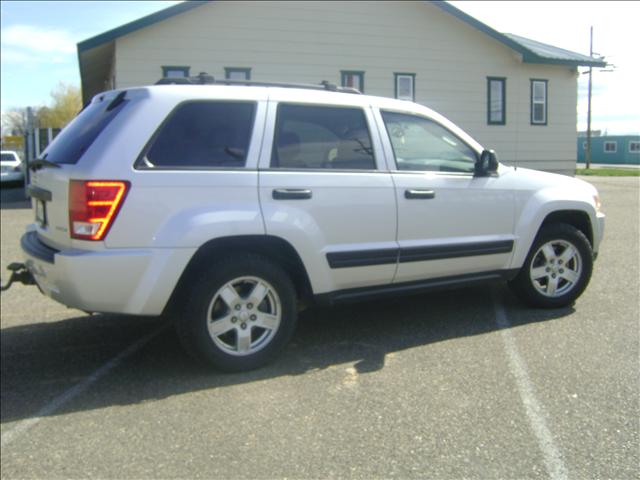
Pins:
<point x="131" y="281"/>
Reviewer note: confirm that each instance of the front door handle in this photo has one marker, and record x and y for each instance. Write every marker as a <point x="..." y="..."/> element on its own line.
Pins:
<point x="418" y="194"/>
<point x="291" y="194"/>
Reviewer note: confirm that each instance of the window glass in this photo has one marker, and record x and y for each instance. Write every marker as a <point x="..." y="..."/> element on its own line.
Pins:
<point x="496" y="101"/>
<point x="203" y="134"/>
<point x="421" y="144"/>
<point x="354" y="80"/>
<point x="634" y="147"/>
<point x="610" y="147"/>
<point x="237" y="73"/>
<point x="539" y="102"/>
<point x="77" y="137"/>
<point x="405" y="87"/>
<point x="175" y="72"/>
<point x="321" y="137"/>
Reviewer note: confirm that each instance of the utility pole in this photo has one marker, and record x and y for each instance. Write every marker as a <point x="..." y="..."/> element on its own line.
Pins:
<point x="587" y="154"/>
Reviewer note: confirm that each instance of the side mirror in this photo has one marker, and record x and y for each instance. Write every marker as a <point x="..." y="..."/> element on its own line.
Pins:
<point x="487" y="163"/>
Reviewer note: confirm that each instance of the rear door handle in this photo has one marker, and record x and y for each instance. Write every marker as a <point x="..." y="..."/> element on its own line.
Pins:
<point x="291" y="194"/>
<point x="418" y="194"/>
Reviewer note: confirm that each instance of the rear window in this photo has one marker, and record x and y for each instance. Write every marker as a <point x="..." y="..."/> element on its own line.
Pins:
<point x="76" y="138"/>
<point x="203" y="135"/>
<point x="7" y="157"/>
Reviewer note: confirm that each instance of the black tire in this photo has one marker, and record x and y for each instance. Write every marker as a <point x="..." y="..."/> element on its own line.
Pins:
<point x="193" y="325"/>
<point x="556" y="235"/>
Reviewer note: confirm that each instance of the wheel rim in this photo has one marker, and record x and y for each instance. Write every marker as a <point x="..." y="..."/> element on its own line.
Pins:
<point x="244" y="316"/>
<point x="556" y="268"/>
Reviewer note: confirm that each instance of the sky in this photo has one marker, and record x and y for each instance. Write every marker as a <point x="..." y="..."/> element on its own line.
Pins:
<point x="38" y="46"/>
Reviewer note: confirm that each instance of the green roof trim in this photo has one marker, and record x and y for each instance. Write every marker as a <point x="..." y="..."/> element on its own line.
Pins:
<point x="138" y="24"/>
<point x="532" y="51"/>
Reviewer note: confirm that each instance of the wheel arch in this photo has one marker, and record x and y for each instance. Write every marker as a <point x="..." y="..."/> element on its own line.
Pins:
<point x="578" y="219"/>
<point x="269" y="246"/>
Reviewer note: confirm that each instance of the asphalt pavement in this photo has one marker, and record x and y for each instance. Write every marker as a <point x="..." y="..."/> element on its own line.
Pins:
<point x="460" y="384"/>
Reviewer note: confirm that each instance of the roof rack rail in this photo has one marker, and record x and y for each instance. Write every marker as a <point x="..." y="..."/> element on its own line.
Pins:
<point x="205" y="79"/>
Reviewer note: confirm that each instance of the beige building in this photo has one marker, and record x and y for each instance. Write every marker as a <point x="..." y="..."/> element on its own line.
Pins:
<point x="512" y="94"/>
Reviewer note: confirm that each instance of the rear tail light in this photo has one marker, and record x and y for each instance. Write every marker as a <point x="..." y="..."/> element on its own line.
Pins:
<point x="93" y="207"/>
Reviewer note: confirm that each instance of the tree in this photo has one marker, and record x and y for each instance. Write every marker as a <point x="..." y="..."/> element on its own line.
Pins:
<point x="65" y="105"/>
<point x="14" y="122"/>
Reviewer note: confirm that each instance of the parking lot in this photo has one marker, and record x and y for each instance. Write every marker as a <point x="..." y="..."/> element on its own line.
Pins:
<point x="461" y="384"/>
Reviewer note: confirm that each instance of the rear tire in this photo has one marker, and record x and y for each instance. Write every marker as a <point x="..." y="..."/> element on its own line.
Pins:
<point x="240" y="313"/>
<point x="557" y="269"/>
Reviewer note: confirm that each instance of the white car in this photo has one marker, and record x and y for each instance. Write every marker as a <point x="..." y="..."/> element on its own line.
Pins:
<point x="224" y="206"/>
<point x="11" y="169"/>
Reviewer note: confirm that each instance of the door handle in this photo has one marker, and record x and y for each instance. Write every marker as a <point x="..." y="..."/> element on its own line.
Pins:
<point x="419" y="194"/>
<point x="291" y="194"/>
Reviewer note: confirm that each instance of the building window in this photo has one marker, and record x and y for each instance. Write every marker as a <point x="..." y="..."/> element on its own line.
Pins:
<point x="584" y="145"/>
<point x="237" y="73"/>
<point x="352" y="79"/>
<point x="175" y="72"/>
<point x="405" y="86"/>
<point x="496" y="100"/>
<point x="634" y="146"/>
<point x="539" y="102"/>
<point x="610" y="147"/>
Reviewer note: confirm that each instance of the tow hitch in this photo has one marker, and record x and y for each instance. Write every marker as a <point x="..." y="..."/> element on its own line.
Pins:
<point x="19" y="273"/>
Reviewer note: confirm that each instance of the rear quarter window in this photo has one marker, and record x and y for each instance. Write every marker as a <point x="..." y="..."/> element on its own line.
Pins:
<point x="201" y="135"/>
<point x="76" y="138"/>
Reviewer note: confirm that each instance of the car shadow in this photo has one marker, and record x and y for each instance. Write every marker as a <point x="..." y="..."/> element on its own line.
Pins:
<point x="40" y="361"/>
<point x="12" y="196"/>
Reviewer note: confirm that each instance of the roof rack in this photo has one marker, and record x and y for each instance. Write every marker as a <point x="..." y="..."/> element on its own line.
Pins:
<point x="205" y="79"/>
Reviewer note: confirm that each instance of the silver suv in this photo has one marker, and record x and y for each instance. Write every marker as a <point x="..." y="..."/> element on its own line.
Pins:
<point x="226" y="205"/>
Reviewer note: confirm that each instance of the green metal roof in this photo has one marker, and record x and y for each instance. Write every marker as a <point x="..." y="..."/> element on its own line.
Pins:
<point x="532" y="51"/>
<point x="553" y="54"/>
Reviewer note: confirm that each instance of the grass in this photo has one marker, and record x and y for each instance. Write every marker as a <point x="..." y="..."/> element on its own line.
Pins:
<point x="609" y="172"/>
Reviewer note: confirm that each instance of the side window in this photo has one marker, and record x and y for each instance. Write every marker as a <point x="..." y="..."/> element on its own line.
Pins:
<point x="202" y="134"/>
<point x="423" y="145"/>
<point x="322" y="137"/>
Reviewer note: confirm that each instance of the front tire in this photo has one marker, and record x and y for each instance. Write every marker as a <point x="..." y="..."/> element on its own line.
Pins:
<point x="557" y="269"/>
<point x="240" y="314"/>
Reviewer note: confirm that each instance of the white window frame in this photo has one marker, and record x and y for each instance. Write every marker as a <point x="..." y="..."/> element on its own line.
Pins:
<point x="637" y="144"/>
<point x="544" y="102"/>
<point x="610" y="142"/>
<point x="397" y="78"/>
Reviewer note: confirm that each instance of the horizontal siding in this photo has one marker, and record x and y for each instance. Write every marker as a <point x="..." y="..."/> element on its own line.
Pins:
<point x="312" y="41"/>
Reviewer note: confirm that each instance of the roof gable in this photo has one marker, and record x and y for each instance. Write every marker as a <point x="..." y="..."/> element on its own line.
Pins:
<point x="531" y="50"/>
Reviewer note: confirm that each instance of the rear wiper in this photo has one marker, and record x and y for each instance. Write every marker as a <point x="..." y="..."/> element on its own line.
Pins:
<point x="42" y="163"/>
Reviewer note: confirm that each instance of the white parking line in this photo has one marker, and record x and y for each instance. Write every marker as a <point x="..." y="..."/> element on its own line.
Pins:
<point x="535" y="413"/>
<point x="55" y="404"/>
